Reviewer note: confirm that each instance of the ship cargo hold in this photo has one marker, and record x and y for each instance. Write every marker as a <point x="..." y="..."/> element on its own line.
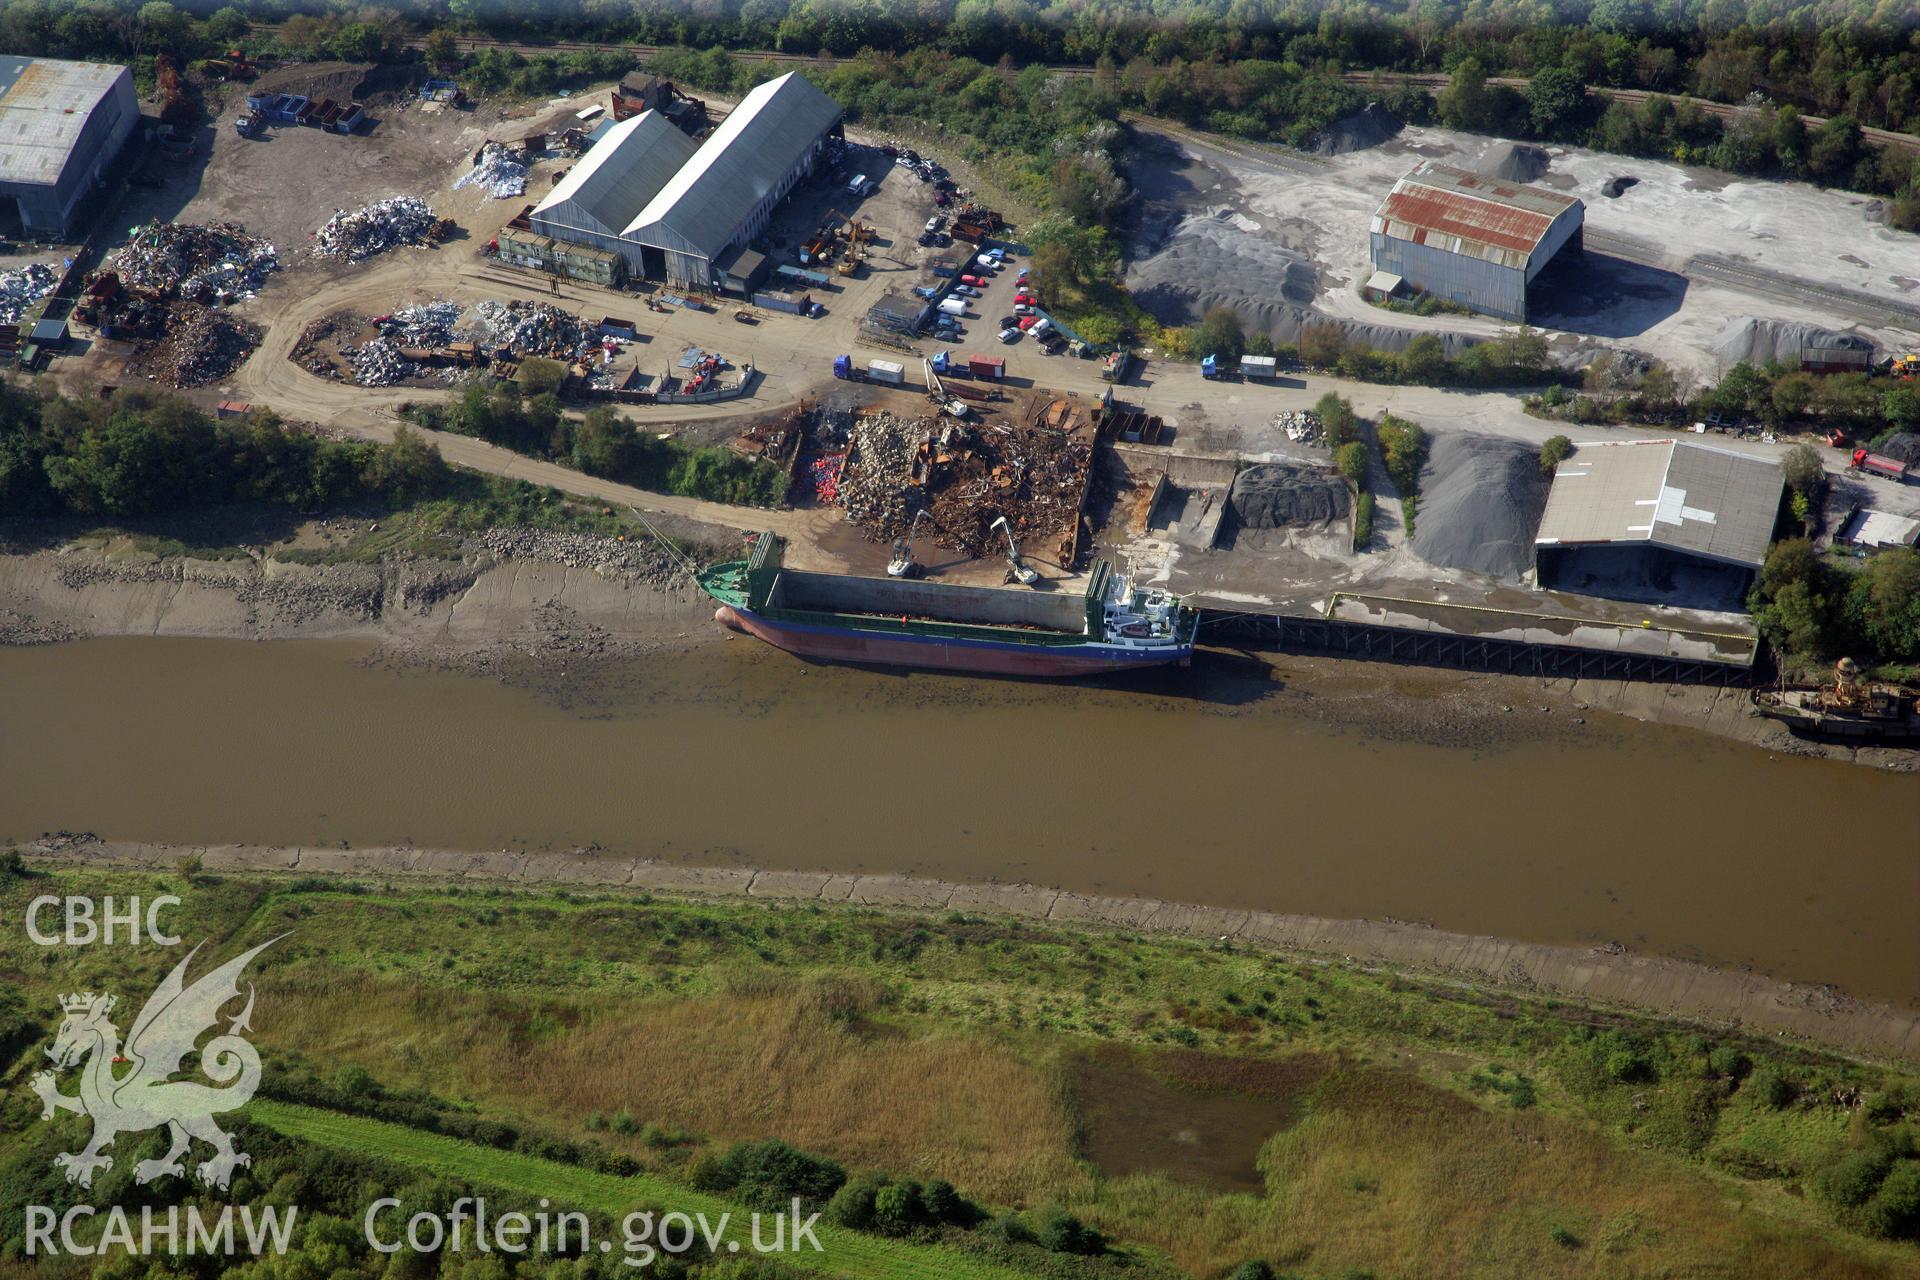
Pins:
<point x="829" y="617"/>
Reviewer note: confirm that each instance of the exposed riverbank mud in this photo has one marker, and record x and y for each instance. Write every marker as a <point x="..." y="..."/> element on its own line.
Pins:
<point x="1607" y="974"/>
<point x="526" y="603"/>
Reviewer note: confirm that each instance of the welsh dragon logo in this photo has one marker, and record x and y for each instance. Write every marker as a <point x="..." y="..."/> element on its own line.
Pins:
<point x="130" y="1089"/>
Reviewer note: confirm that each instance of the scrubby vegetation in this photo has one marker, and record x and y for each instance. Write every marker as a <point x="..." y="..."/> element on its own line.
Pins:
<point x="756" y="1041"/>
<point x="1816" y="609"/>
<point x="602" y="443"/>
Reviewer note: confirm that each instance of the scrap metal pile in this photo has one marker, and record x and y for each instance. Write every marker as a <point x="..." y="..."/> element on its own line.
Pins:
<point x="216" y="262"/>
<point x="428" y="324"/>
<point x="378" y="363"/>
<point x="199" y="345"/>
<point x="358" y="234"/>
<point x="1301" y="425"/>
<point x="21" y="288"/>
<point x="965" y="478"/>
<point x="529" y="328"/>
<point x="498" y="170"/>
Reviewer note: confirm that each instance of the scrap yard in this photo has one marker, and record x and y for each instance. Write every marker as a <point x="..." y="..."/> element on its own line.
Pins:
<point x="873" y="329"/>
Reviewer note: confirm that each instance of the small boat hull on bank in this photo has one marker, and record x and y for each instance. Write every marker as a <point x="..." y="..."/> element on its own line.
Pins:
<point x="947" y="653"/>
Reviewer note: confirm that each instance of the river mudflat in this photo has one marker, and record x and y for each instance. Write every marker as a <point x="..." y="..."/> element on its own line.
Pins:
<point x="1294" y="787"/>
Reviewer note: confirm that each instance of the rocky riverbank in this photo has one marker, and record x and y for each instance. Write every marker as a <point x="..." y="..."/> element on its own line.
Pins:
<point x="1606" y="974"/>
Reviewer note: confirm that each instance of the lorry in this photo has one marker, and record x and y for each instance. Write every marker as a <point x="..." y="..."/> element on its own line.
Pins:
<point x="1113" y="366"/>
<point x="883" y="371"/>
<point x="1877" y="464"/>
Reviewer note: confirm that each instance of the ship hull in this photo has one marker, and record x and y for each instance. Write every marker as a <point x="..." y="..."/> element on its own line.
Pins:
<point x="942" y="653"/>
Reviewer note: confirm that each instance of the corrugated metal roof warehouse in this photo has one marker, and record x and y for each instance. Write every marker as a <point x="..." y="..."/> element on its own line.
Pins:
<point x="60" y="123"/>
<point x="673" y="209"/>
<point x="1472" y="239"/>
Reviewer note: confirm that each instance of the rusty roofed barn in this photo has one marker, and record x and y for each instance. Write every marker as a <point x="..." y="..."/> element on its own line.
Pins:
<point x="1471" y="239"/>
<point x="60" y="123"/>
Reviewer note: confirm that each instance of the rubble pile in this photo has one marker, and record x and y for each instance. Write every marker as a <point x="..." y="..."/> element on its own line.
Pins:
<point x="641" y="560"/>
<point x="378" y="363"/>
<point x="499" y="172"/>
<point x="200" y="345"/>
<point x="218" y="261"/>
<point x="21" y="288"/>
<point x="1301" y="425"/>
<point x="386" y="224"/>
<point x="875" y="489"/>
<point x="529" y="328"/>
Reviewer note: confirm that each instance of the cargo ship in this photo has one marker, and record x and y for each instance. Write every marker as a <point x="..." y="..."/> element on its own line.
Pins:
<point x="1848" y="708"/>
<point x="830" y="617"/>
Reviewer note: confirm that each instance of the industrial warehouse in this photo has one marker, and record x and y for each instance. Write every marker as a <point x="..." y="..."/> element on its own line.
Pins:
<point x="1658" y="519"/>
<point x="687" y="214"/>
<point x="60" y="124"/>
<point x="1469" y="239"/>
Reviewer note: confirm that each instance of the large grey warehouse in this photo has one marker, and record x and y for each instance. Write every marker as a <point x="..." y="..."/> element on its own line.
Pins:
<point x="686" y="214"/>
<point x="1666" y="521"/>
<point x="1471" y="239"/>
<point x="60" y="123"/>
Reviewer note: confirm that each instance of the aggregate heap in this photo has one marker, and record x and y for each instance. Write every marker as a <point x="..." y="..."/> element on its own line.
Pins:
<point x="357" y="234"/>
<point x="218" y="261"/>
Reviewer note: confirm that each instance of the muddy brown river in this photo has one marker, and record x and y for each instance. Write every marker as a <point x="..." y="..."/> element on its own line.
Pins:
<point x="1199" y="787"/>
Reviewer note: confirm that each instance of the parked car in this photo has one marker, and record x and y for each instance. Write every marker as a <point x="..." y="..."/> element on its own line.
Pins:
<point x="1006" y="322"/>
<point x="936" y="222"/>
<point x="975" y="281"/>
<point x="966" y="291"/>
<point x="1010" y="334"/>
<point x="941" y="198"/>
<point x="1024" y="309"/>
<point x="1027" y="322"/>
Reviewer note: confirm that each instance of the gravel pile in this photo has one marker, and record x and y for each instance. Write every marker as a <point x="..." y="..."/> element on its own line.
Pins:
<point x="1904" y="447"/>
<point x="1481" y="498"/>
<point x="1220" y="258"/>
<point x="642" y="560"/>
<point x="1513" y="162"/>
<point x="386" y="224"/>
<point x="1275" y="495"/>
<point x="201" y="345"/>
<point x="219" y="260"/>
<point x="499" y="172"/>
<point x="1370" y="126"/>
<point x="1757" y="341"/>
<point x="22" y="287"/>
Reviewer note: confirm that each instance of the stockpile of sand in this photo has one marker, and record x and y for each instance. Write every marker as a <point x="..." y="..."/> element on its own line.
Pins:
<point x="1274" y="495"/>
<point x="1757" y="341"/>
<point x="1480" y="503"/>
<point x="1513" y="162"/>
<point x="1370" y="126"/>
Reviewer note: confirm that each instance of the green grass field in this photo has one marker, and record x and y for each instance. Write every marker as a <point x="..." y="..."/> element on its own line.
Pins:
<point x="842" y="1253"/>
<point x="1327" y="1118"/>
